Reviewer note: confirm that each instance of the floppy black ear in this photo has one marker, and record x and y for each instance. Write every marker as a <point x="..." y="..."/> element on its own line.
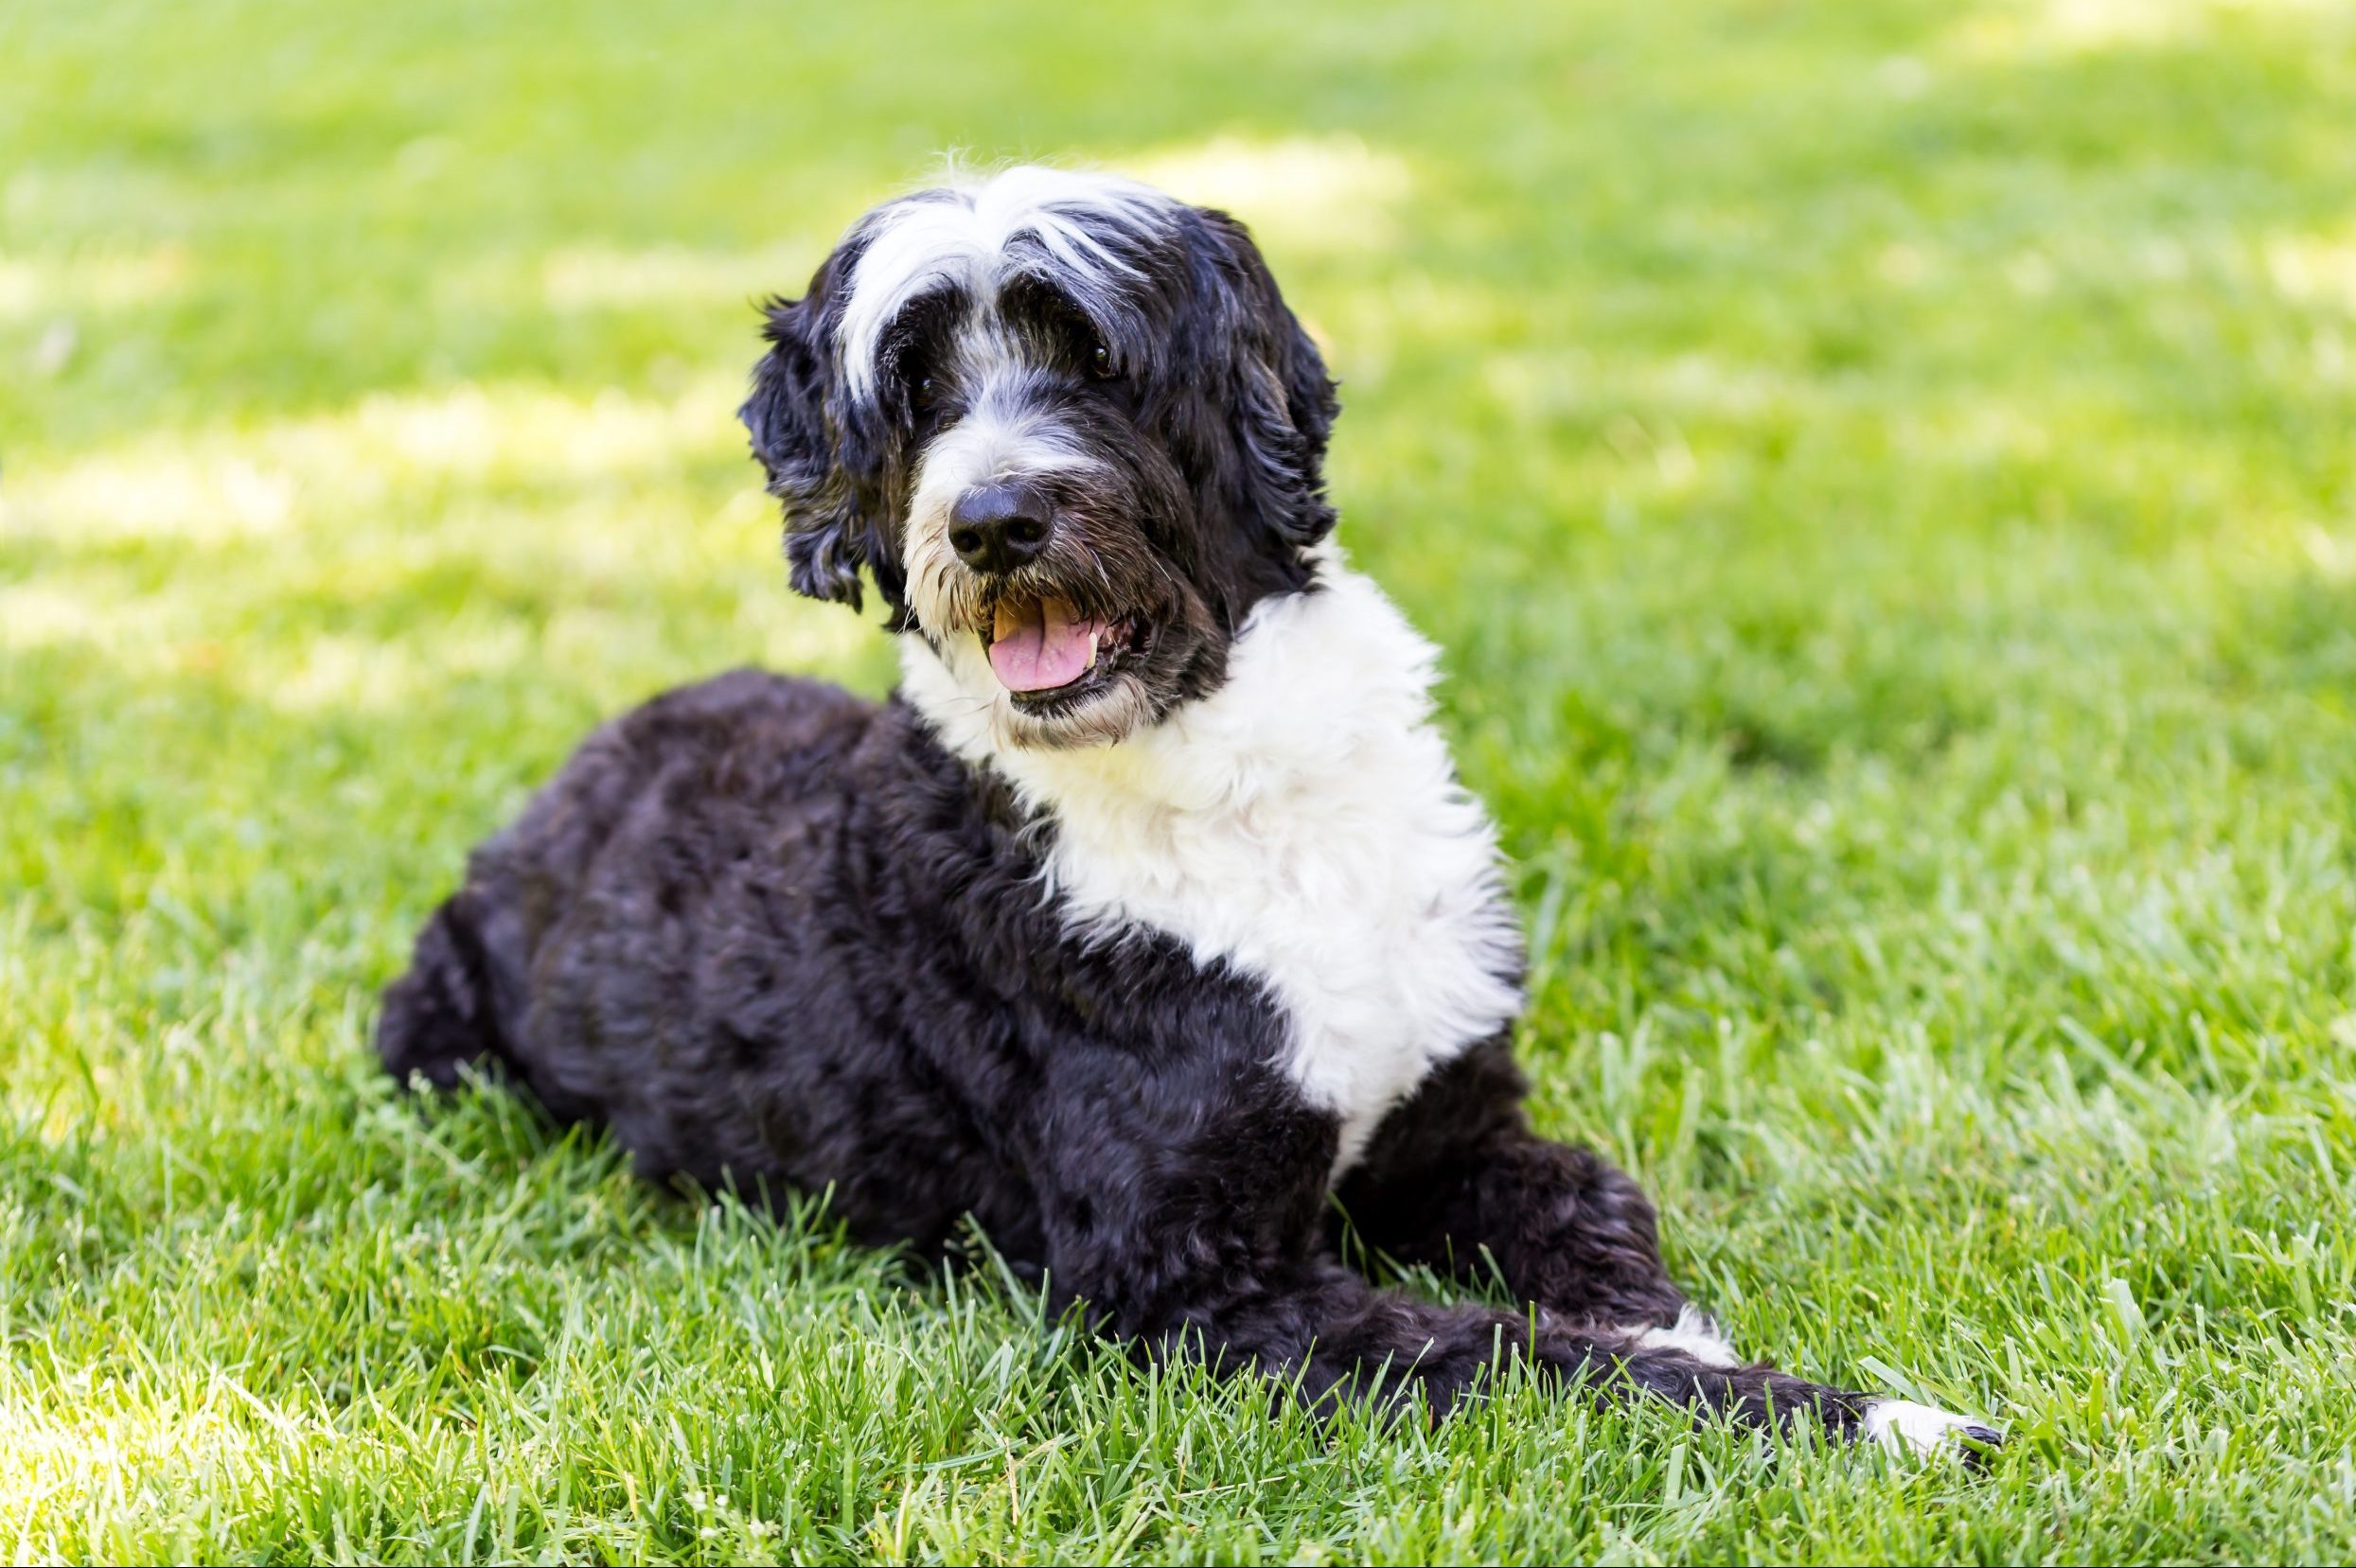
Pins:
<point x="798" y="418"/>
<point x="1283" y="399"/>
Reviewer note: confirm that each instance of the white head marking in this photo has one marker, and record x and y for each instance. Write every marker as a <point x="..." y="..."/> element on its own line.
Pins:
<point x="961" y="237"/>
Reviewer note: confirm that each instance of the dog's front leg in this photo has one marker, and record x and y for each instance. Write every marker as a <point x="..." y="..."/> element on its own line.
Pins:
<point x="1454" y="1179"/>
<point x="1185" y="1214"/>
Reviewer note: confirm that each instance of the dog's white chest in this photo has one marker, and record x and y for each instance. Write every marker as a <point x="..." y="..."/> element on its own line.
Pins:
<point x="1304" y="826"/>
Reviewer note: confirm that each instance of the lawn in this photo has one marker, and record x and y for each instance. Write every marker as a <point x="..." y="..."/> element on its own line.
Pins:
<point x="1883" y="474"/>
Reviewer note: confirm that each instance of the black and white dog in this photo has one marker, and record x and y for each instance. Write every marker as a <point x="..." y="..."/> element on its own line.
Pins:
<point x="1146" y="918"/>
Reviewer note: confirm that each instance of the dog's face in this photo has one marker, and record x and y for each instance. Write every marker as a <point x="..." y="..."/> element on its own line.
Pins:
<point x="1066" y="425"/>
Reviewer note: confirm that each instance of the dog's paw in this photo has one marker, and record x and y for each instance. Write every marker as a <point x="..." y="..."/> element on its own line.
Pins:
<point x="1902" y="1426"/>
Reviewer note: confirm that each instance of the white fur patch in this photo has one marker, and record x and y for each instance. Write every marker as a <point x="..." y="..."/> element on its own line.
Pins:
<point x="1904" y="1427"/>
<point x="1302" y="823"/>
<point x="1695" y="1334"/>
<point x="959" y="236"/>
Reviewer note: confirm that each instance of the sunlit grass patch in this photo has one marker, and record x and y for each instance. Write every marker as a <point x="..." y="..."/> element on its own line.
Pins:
<point x="1332" y="193"/>
<point x="2066" y="26"/>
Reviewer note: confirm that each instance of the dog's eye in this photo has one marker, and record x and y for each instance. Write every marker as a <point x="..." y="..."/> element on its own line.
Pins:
<point x="925" y="392"/>
<point x="1100" y="362"/>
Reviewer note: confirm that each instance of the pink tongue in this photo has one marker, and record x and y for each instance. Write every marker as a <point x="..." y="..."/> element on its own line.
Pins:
<point x="1039" y="644"/>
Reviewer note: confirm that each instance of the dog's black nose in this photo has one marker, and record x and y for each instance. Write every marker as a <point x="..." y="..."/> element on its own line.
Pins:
<point x="999" y="526"/>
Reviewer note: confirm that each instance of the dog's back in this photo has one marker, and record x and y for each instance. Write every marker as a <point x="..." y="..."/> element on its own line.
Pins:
<point x="749" y="737"/>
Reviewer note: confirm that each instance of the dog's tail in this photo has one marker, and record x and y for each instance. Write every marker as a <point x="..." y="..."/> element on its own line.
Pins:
<point x="441" y="1017"/>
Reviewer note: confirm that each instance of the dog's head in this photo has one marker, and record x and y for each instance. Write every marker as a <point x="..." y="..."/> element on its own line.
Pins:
<point x="1066" y="425"/>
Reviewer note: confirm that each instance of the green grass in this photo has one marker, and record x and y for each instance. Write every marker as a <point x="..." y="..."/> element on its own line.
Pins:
<point x="1884" y="475"/>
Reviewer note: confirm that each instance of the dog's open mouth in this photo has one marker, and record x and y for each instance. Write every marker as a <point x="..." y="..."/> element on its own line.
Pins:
<point x="1045" y="651"/>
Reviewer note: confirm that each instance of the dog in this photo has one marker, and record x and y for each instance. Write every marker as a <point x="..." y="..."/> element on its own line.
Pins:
<point x="1146" y="924"/>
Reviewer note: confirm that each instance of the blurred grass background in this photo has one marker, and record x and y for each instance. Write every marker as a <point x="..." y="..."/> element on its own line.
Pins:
<point x="1883" y="475"/>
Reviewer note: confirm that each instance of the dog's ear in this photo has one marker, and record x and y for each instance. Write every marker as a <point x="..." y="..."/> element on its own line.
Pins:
<point x="1280" y="397"/>
<point x="800" y="419"/>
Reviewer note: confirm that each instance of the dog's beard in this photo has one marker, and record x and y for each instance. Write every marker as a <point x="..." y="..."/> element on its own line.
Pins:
<point x="1112" y="714"/>
<point x="1056" y="650"/>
